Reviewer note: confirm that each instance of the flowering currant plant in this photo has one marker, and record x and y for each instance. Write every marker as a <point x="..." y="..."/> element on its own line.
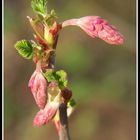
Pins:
<point x="48" y="86"/>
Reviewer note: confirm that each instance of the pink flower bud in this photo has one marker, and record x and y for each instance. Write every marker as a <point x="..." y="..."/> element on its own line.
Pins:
<point x="38" y="84"/>
<point x="95" y="26"/>
<point x="46" y="114"/>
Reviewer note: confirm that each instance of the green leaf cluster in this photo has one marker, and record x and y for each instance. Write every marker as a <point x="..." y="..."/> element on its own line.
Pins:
<point x="72" y="103"/>
<point x="62" y="78"/>
<point x="50" y="75"/>
<point x="25" y="49"/>
<point x="39" y="6"/>
<point x="59" y="76"/>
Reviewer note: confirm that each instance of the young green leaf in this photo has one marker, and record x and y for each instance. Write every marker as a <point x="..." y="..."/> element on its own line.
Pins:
<point x="72" y="103"/>
<point x="62" y="78"/>
<point x="50" y="75"/>
<point x="53" y="13"/>
<point x="24" y="48"/>
<point x="59" y="76"/>
<point x="39" y="6"/>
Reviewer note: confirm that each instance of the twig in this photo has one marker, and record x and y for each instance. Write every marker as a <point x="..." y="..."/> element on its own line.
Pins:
<point x="64" y="131"/>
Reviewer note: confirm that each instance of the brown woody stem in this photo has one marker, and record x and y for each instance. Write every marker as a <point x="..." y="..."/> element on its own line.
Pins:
<point x="63" y="132"/>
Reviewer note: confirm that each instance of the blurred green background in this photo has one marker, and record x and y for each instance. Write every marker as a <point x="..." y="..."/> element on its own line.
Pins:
<point x="102" y="76"/>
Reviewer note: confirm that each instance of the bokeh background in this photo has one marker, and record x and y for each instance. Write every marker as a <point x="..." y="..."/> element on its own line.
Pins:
<point x="102" y="76"/>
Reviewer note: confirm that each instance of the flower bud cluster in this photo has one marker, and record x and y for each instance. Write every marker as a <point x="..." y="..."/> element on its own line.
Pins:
<point x="48" y="96"/>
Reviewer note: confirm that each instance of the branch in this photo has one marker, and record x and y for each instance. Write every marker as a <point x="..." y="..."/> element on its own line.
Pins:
<point x="64" y="132"/>
<point x="52" y="56"/>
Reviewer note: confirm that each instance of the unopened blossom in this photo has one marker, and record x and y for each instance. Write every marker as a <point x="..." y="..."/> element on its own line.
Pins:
<point x="95" y="26"/>
<point x="38" y="84"/>
<point x="46" y="114"/>
<point x="66" y="93"/>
